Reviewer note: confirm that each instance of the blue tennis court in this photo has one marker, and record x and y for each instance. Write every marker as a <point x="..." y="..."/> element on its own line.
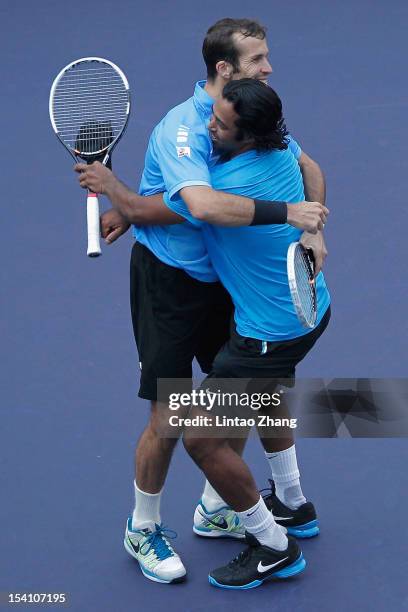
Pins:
<point x="70" y="411"/>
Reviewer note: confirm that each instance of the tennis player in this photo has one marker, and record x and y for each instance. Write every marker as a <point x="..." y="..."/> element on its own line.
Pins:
<point x="267" y="340"/>
<point x="176" y="298"/>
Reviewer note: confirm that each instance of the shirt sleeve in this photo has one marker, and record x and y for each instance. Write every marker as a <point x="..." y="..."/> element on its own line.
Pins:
<point x="183" y="159"/>
<point x="294" y="147"/>
<point x="177" y="205"/>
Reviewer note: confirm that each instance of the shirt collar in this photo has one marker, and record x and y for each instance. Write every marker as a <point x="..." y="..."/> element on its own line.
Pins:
<point x="202" y="100"/>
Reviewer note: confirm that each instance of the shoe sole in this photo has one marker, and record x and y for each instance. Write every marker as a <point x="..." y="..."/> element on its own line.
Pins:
<point x="308" y="530"/>
<point x="287" y="572"/>
<point x="217" y="534"/>
<point x="147" y="574"/>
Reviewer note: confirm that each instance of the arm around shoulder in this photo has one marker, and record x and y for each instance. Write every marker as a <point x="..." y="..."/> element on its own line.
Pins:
<point x="216" y="207"/>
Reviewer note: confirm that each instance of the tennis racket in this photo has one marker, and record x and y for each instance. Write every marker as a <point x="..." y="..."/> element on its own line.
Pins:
<point x="300" y="264"/>
<point x="89" y="110"/>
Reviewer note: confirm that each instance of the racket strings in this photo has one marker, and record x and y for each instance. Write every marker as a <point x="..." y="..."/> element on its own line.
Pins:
<point x="90" y="107"/>
<point x="305" y="284"/>
<point x="94" y="135"/>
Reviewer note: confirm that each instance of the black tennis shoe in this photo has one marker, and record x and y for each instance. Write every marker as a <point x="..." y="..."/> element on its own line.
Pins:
<point x="301" y="523"/>
<point x="258" y="563"/>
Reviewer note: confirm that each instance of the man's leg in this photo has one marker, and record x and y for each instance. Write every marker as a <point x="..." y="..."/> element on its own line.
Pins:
<point x="164" y="324"/>
<point x="225" y="469"/>
<point x="270" y="552"/>
<point x="145" y="538"/>
<point x="243" y="358"/>
<point x="286" y="499"/>
<point x="210" y="498"/>
<point x="152" y="459"/>
<point x="280" y="453"/>
<point x="212" y="517"/>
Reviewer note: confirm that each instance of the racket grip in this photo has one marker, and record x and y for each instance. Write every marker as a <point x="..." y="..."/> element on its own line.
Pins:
<point x="92" y="214"/>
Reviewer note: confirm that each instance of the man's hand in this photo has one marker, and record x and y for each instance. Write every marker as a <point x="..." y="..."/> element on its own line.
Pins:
<point x="95" y="177"/>
<point x="318" y="246"/>
<point x="308" y="216"/>
<point x="113" y="225"/>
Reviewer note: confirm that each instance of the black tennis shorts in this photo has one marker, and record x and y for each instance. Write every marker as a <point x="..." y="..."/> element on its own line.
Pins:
<point x="175" y="318"/>
<point x="250" y="358"/>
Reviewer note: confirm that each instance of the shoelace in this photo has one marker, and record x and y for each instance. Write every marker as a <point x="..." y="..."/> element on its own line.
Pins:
<point x="242" y="558"/>
<point x="156" y="541"/>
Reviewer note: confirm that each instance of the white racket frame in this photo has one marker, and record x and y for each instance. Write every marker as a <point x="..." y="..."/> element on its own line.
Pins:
<point x="293" y="287"/>
<point x="92" y="202"/>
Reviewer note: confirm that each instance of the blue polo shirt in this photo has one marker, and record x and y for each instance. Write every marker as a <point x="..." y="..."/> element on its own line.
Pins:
<point x="251" y="261"/>
<point x="178" y="155"/>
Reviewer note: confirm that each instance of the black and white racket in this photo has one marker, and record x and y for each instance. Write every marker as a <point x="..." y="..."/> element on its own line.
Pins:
<point x="89" y="109"/>
<point x="300" y="263"/>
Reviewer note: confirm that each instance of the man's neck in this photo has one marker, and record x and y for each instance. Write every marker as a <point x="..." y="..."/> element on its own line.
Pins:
<point x="243" y="149"/>
<point x="214" y="88"/>
<point x="227" y="155"/>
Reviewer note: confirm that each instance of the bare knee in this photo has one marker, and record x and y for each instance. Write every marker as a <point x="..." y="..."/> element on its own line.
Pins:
<point x="159" y="427"/>
<point x="192" y="446"/>
<point x="201" y="450"/>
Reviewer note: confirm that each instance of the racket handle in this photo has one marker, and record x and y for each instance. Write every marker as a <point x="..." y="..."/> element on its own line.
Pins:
<point x="92" y="214"/>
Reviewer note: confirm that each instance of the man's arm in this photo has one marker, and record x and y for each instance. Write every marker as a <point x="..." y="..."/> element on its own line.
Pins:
<point x="315" y="189"/>
<point x="186" y="175"/>
<point x="134" y="208"/>
<point x="113" y="225"/>
<point x="313" y="179"/>
<point x="204" y="203"/>
<point x="219" y="208"/>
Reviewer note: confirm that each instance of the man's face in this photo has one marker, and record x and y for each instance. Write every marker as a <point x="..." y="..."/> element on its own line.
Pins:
<point x="253" y="58"/>
<point x="222" y="128"/>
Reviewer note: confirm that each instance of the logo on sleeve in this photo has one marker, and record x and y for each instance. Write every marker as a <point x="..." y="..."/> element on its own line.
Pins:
<point x="183" y="152"/>
<point x="182" y="133"/>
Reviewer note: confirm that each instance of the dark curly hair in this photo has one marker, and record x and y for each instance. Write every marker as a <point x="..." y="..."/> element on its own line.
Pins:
<point x="219" y="46"/>
<point x="259" y="111"/>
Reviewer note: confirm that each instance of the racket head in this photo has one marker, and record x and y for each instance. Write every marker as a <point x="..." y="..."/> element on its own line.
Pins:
<point x="300" y="268"/>
<point x="89" y="107"/>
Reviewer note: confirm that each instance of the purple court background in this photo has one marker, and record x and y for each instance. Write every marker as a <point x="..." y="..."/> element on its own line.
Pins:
<point x="70" y="413"/>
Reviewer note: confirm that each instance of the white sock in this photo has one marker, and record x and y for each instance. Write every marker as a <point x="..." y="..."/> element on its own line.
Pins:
<point x="210" y="498"/>
<point x="147" y="509"/>
<point x="285" y="474"/>
<point x="260" y="522"/>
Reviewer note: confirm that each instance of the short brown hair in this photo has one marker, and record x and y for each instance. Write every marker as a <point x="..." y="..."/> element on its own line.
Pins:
<point x="219" y="46"/>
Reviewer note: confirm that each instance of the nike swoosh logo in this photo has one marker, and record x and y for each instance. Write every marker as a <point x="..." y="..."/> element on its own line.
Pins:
<point x="264" y="568"/>
<point x="251" y="513"/>
<point x="222" y="524"/>
<point x="135" y="548"/>
<point x="283" y="518"/>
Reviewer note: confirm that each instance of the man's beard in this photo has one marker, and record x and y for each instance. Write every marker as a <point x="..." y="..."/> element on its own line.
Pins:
<point x="225" y="151"/>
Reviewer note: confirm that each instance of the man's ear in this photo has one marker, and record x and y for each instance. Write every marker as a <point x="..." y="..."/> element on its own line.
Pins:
<point x="224" y="69"/>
